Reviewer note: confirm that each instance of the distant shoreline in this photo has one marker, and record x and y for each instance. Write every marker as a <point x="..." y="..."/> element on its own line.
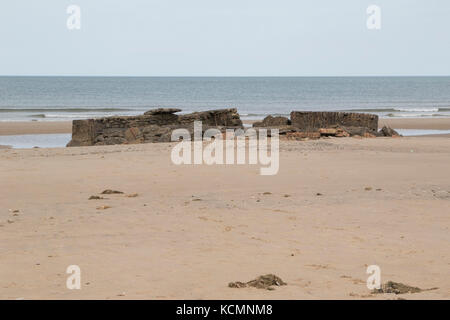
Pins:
<point x="34" y="127"/>
<point x="57" y="127"/>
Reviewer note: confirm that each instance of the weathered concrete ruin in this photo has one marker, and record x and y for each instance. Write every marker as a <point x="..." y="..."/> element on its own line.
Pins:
<point x="157" y="125"/>
<point x="154" y="126"/>
<point x="271" y="121"/>
<point x="313" y="125"/>
<point x="318" y="120"/>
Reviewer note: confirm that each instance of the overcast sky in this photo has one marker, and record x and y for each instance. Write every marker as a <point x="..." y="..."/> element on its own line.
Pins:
<point x="225" y="38"/>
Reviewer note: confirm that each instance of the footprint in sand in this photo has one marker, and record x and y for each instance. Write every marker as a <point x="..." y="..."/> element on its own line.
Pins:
<point x="133" y="195"/>
<point x="318" y="266"/>
<point x="103" y="207"/>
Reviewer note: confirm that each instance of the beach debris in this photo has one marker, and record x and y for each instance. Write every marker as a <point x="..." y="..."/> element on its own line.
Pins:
<point x="318" y="120"/>
<point x="237" y="284"/>
<point x="327" y="131"/>
<point x="348" y="131"/>
<point x="14" y="212"/>
<point x="197" y="199"/>
<point x="287" y="195"/>
<point x="335" y="132"/>
<point x="109" y="191"/>
<point x="369" y="135"/>
<point x="160" y="111"/>
<point x="95" y="198"/>
<point x="262" y="282"/>
<point x="341" y="133"/>
<point x="368" y="188"/>
<point x="399" y="288"/>
<point x="302" y="136"/>
<point x="389" y="132"/>
<point x="103" y="207"/>
<point x="271" y="121"/>
<point x="319" y="194"/>
<point x="133" y="195"/>
<point x="441" y="194"/>
<point x="155" y="125"/>
<point x="267" y="193"/>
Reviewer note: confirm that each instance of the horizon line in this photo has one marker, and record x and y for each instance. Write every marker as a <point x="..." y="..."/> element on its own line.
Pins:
<point x="225" y="76"/>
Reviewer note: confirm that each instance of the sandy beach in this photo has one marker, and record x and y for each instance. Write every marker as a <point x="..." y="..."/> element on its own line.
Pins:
<point x="336" y="206"/>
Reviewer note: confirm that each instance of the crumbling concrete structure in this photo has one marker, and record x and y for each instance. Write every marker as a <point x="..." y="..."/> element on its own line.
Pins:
<point x="313" y="125"/>
<point x="310" y="121"/>
<point x="157" y="125"/>
<point x="154" y="126"/>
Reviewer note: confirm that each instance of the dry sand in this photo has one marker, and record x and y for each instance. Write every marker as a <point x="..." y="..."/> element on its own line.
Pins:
<point x="193" y="229"/>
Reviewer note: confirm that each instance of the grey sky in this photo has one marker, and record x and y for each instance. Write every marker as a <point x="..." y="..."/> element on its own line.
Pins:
<point x="225" y="38"/>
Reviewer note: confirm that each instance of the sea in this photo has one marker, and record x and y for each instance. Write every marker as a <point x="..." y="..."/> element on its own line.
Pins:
<point x="69" y="98"/>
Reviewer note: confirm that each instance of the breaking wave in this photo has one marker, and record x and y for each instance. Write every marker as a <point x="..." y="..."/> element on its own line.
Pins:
<point x="403" y="109"/>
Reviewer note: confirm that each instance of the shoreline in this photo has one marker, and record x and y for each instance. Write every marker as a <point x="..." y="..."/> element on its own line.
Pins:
<point x="58" y="127"/>
<point x="416" y="123"/>
<point x="13" y="128"/>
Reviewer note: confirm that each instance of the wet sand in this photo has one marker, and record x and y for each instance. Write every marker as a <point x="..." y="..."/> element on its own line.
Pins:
<point x="429" y="124"/>
<point x="41" y="127"/>
<point x="34" y="127"/>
